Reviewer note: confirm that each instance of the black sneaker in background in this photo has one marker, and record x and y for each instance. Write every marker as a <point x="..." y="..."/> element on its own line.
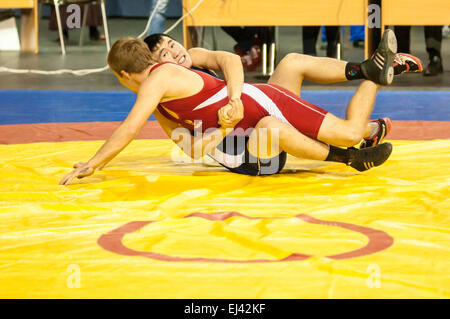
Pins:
<point x="435" y="67"/>
<point x="358" y="44"/>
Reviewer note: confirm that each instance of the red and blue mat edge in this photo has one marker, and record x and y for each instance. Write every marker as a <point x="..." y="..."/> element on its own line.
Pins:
<point x="91" y="131"/>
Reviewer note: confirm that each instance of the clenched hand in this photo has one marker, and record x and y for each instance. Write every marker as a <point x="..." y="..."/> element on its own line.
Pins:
<point x="231" y="114"/>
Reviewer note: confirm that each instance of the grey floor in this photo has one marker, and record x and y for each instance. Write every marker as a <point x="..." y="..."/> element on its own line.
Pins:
<point x="93" y="55"/>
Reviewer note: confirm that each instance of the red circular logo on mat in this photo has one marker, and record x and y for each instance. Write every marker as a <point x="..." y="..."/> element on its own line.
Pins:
<point x="378" y="240"/>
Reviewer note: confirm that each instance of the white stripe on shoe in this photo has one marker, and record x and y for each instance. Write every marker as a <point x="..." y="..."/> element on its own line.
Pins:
<point x="379" y="62"/>
<point x="380" y="56"/>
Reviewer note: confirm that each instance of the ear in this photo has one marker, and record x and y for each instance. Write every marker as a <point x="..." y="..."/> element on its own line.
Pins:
<point x="125" y="75"/>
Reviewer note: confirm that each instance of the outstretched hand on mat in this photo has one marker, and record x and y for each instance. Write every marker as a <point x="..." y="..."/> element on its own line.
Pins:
<point x="76" y="165"/>
<point x="81" y="170"/>
<point x="231" y="114"/>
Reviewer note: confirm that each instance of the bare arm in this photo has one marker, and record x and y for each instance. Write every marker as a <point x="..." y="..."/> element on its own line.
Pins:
<point x="228" y="63"/>
<point x="149" y="95"/>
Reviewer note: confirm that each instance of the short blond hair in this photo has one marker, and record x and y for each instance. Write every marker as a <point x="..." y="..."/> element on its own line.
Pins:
<point x="130" y="55"/>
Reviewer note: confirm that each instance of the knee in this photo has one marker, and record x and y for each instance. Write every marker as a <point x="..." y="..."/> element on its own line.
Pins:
<point x="294" y="58"/>
<point x="273" y="127"/>
<point x="351" y="137"/>
<point x="269" y="126"/>
<point x="266" y="122"/>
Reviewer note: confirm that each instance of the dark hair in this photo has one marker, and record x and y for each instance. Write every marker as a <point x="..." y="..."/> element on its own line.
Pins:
<point x="154" y="39"/>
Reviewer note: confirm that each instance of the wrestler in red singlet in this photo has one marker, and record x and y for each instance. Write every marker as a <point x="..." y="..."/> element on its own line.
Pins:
<point x="259" y="100"/>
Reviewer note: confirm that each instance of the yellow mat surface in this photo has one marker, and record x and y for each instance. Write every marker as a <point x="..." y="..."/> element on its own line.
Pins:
<point x="150" y="227"/>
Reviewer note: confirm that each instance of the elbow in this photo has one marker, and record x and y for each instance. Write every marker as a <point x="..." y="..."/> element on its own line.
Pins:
<point x="231" y="59"/>
<point x="130" y="132"/>
<point x="236" y="59"/>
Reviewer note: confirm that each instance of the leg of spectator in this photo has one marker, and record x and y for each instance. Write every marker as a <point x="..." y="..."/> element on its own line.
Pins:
<point x="53" y="21"/>
<point x="248" y="36"/>
<point x="95" y="20"/>
<point x="157" y="23"/>
<point x="433" y="41"/>
<point x="332" y="33"/>
<point x="244" y="37"/>
<point x="234" y="32"/>
<point x="309" y="39"/>
<point x="246" y="48"/>
<point x="403" y="35"/>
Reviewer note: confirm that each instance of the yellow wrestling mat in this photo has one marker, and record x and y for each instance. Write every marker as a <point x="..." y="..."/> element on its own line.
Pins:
<point x="149" y="227"/>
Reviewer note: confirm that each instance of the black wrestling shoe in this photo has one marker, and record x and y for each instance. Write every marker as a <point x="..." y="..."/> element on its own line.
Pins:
<point x="366" y="158"/>
<point x="435" y="67"/>
<point x="379" y="67"/>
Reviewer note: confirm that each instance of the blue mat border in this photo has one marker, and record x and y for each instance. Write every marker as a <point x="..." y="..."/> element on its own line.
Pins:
<point x="47" y="106"/>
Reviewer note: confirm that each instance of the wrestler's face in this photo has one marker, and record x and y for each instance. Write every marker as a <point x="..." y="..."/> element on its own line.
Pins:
<point x="170" y="50"/>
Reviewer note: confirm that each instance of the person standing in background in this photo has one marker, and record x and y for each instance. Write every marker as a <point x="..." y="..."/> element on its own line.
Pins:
<point x="248" y="44"/>
<point x="247" y="38"/>
<point x="310" y="34"/>
<point x="159" y="18"/>
<point x="94" y="20"/>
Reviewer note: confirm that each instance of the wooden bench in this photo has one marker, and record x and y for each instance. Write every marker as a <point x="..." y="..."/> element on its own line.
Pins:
<point x="273" y="13"/>
<point x="312" y="12"/>
<point x="29" y="33"/>
<point x="415" y="12"/>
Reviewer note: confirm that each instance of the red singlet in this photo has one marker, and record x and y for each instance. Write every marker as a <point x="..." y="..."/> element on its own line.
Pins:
<point x="259" y="100"/>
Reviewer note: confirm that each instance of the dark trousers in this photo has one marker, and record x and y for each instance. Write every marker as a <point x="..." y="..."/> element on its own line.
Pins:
<point x="310" y="38"/>
<point x="94" y="17"/>
<point x="245" y="36"/>
<point x="433" y="39"/>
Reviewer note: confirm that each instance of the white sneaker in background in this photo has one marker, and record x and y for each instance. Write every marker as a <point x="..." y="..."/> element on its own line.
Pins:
<point x="9" y="37"/>
<point x="446" y="31"/>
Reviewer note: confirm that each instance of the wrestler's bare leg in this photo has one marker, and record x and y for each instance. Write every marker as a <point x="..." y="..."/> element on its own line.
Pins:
<point x="272" y="136"/>
<point x="354" y="128"/>
<point x="295" y="67"/>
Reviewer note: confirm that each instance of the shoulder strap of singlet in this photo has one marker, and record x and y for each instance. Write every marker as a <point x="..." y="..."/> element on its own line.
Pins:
<point x="209" y="72"/>
<point x="205" y="71"/>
